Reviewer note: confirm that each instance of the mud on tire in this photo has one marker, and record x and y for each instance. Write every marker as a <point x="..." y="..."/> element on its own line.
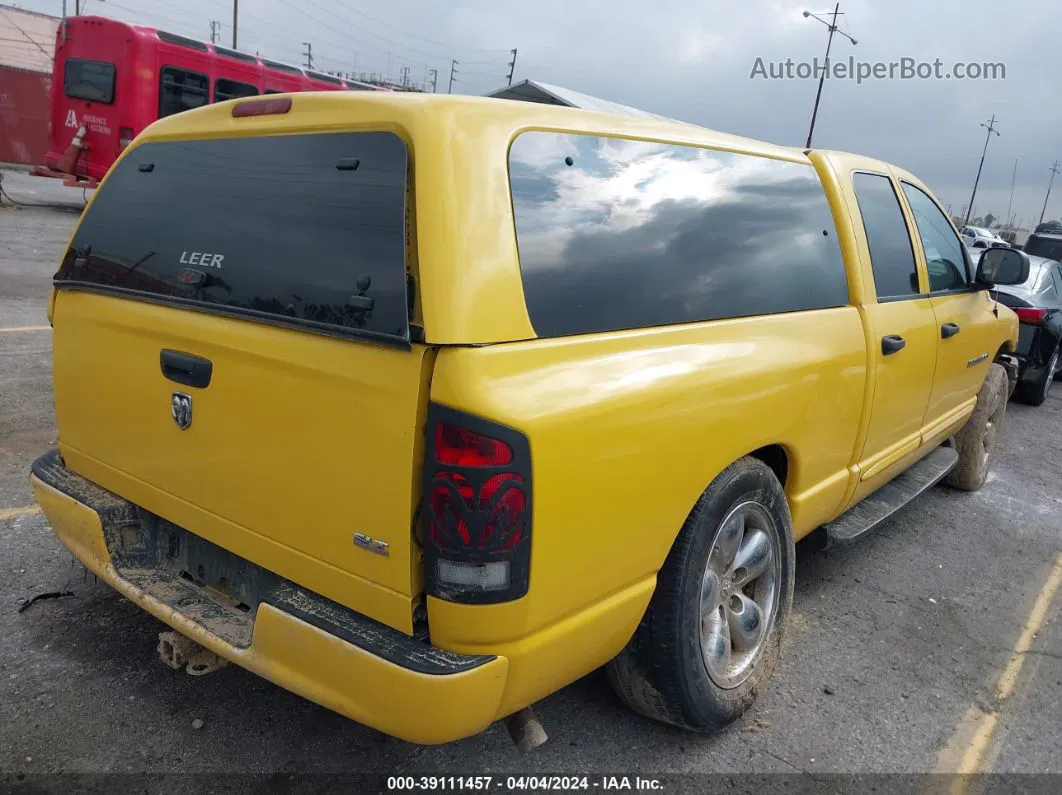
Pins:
<point x="976" y="442"/>
<point x="664" y="672"/>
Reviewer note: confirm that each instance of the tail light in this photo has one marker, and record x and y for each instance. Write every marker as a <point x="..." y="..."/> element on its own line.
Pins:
<point x="125" y="136"/>
<point x="1031" y="316"/>
<point x="476" y="509"/>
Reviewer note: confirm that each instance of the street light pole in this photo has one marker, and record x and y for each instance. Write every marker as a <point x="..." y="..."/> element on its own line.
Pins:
<point x="1054" y="170"/>
<point x="1010" y="204"/>
<point x="988" y="137"/>
<point x="832" y="25"/>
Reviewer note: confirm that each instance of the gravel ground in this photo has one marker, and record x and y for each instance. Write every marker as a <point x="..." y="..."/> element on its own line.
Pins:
<point x="893" y="641"/>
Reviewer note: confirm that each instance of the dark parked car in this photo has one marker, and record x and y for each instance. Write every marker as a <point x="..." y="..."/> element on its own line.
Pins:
<point x="1038" y="305"/>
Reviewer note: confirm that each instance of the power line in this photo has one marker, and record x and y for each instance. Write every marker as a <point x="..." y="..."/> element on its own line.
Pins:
<point x="420" y="38"/>
<point x="335" y="12"/>
<point x="138" y="17"/>
<point x="24" y="33"/>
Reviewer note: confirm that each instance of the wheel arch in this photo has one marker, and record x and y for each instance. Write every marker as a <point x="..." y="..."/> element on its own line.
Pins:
<point x="774" y="456"/>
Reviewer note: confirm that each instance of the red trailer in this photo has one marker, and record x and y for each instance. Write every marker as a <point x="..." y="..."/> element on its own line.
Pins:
<point x="111" y="79"/>
<point x="23" y="115"/>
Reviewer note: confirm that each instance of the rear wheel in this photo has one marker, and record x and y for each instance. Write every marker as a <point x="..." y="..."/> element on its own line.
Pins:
<point x="712" y="634"/>
<point x="976" y="442"/>
<point x="1035" y="392"/>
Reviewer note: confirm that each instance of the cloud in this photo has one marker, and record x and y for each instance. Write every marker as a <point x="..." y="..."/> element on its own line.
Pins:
<point x="691" y="60"/>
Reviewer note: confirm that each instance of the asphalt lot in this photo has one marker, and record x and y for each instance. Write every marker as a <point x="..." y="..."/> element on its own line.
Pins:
<point x="900" y="657"/>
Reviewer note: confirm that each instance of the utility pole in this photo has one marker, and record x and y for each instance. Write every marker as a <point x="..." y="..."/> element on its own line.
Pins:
<point x="308" y="54"/>
<point x="991" y="127"/>
<point x="214" y="25"/>
<point x="1054" y="170"/>
<point x="405" y="77"/>
<point x="1010" y="204"/>
<point x="832" y="25"/>
<point x="235" y="20"/>
<point x="434" y="79"/>
<point x="453" y="73"/>
<point x="512" y="65"/>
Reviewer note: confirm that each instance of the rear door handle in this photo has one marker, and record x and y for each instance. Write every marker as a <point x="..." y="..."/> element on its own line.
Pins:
<point x="892" y="343"/>
<point x="184" y="368"/>
<point x="949" y="330"/>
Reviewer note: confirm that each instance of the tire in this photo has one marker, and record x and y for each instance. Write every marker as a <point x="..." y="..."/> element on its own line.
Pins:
<point x="663" y="673"/>
<point x="1034" y="393"/>
<point x="976" y="442"/>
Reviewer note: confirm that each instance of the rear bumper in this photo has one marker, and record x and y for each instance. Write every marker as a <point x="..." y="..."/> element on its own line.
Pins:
<point x="1036" y="346"/>
<point x="364" y="670"/>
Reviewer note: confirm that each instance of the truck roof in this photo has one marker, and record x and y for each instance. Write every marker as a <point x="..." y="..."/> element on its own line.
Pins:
<point x="325" y="110"/>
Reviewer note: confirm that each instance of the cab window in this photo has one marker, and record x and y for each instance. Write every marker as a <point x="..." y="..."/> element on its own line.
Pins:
<point x="945" y="260"/>
<point x="891" y="256"/>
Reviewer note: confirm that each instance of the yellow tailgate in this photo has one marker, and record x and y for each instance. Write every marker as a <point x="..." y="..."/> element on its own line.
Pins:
<point x="299" y="441"/>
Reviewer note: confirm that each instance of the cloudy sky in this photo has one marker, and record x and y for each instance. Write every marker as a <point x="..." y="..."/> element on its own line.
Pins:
<point x="692" y="60"/>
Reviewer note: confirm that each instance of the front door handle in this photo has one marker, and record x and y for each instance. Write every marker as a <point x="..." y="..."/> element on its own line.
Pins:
<point x="949" y="330"/>
<point x="892" y="343"/>
<point x="186" y="369"/>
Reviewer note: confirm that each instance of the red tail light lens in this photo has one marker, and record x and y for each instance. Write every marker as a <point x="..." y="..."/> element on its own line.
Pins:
<point x="1031" y="316"/>
<point x="477" y="509"/>
<point x="457" y="446"/>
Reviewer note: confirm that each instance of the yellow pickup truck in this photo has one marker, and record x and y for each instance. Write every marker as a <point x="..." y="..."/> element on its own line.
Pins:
<point x="424" y="407"/>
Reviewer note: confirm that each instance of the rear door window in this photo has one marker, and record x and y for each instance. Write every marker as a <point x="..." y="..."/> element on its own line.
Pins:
<point x="89" y="80"/>
<point x="891" y="255"/>
<point x="302" y="230"/>
<point x="618" y="234"/>
<point x="181" y="90"/>
<point x="230" y="89"/>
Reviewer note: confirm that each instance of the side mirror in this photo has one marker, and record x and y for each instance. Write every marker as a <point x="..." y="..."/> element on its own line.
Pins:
<point x="1002" y="266"/>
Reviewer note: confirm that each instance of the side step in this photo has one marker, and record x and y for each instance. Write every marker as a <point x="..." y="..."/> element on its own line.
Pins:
<point x="884" y="502"/>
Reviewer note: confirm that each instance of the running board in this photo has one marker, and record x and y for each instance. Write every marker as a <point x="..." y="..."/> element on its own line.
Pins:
<point x="883" y="503"/>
